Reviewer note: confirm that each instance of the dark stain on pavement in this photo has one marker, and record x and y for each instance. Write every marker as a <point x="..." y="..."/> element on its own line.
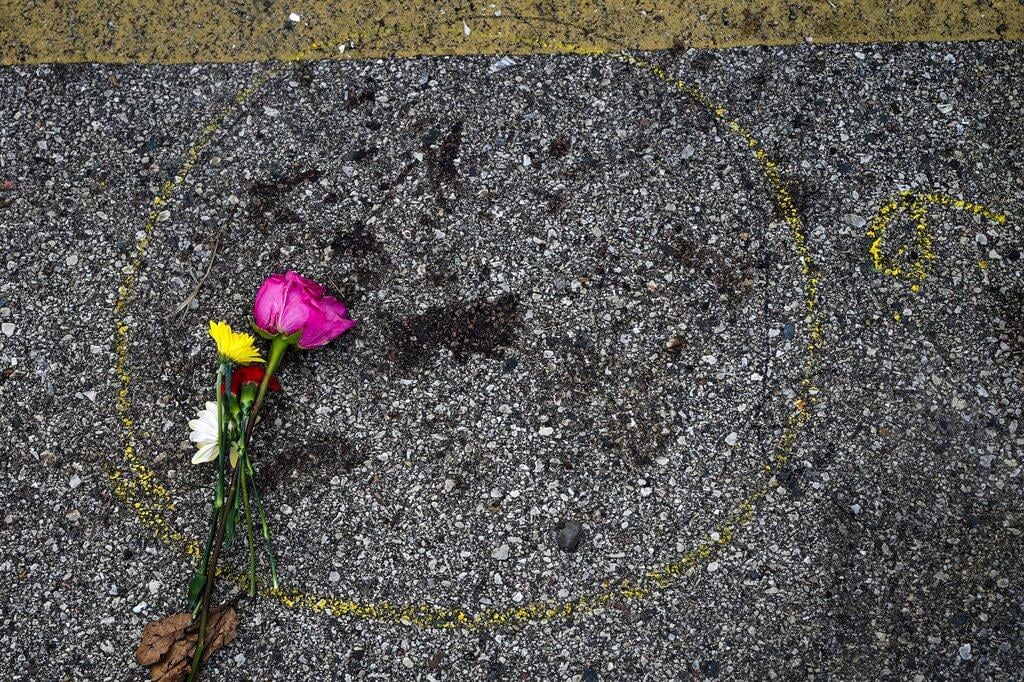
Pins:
<point x="730" y="281"/>
<point x="441" y="161"/>
<point x="323" y="456"/>
<point x="265" y="198"/>
<point x="356" y="242"/>
<point x="482" y="327"/>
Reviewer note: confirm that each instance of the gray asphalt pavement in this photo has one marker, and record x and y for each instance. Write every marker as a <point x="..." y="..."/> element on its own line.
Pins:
<point x="579" y="301"/>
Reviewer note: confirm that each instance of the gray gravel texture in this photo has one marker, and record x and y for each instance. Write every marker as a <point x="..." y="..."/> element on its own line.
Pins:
<point x="520" y="246"/>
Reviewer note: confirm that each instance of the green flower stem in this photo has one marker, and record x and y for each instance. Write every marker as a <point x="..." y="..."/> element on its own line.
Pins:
<point x="249" y="535"/>
<point x="278" y="346"/>
<point x="211" y="573"/>
<point x="263" y="523"/>
<point x="201" y="570"/>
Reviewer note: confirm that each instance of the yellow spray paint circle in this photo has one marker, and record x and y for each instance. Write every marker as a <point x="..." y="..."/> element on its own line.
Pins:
<point x="138" y="486"/>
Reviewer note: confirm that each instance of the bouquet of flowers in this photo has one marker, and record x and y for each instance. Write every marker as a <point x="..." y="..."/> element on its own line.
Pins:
<point x="290" y="310"/>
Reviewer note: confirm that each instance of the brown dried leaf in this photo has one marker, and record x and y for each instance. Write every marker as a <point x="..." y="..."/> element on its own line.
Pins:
<point x="169" y="644"/>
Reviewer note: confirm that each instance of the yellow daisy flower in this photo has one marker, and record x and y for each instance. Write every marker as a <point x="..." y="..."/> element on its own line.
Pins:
<point x="236" y="347"/>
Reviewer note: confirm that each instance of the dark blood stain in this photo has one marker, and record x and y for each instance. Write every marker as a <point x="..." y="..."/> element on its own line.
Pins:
<point x="559" y="147"/>
<point x="790" y="480"/>
<point x="265" y="197"/>
<point x="361" y="154"/>
<point x="441" y="160"/>
<point x="324" y="454"/>
<point x="356" y="242"/>
<point x="482" y="327"/>
<point x="555" y="204"/>
<point x="363" y="95"/>
<point x="729" y="281"/>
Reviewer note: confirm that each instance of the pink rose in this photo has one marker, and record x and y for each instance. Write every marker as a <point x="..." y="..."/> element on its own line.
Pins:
<point x="290" y="303"/>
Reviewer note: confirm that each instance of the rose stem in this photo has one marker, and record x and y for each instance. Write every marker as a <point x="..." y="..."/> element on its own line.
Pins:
<point x="277" y="349"/>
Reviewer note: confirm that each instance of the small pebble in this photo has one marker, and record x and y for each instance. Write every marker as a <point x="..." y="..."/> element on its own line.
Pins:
<point x="568" y="535"/>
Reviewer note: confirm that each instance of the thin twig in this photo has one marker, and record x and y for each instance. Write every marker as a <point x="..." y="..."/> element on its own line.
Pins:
<point x="183" y="306"/>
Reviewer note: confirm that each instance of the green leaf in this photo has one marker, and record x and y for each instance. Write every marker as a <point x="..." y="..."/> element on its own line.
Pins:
<point x="195" y="591"/>
<point x="260" y="332"/>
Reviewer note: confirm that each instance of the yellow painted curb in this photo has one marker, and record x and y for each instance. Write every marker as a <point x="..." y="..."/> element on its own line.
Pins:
<point x="183" y="31"/>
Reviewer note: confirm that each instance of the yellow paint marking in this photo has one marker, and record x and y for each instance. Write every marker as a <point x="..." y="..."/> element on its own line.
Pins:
<point x="181" y="31"/>
<point x="915" y="207"/>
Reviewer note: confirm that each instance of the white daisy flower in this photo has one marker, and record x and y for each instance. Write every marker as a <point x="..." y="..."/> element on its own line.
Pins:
<point x="205" y="432"/>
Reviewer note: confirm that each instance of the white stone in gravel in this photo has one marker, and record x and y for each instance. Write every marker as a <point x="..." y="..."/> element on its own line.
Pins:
<point x="545" y="431"/>
<point x="965" y="652"/>
<point x="712" y="567"/>
<point x="500" y="553"/>
<point x="140" y="607"/>
<point x="687" y="152"/>
<point x="7" y="328"/>
<point x="71" y="260"/>
<point x="74" y="481"/>
<point x="334" y="576"/>
<point x="731" y="438"/>
<point x="154" y="586"/>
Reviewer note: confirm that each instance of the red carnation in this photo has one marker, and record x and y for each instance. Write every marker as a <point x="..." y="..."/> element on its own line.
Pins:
<point x="251" y="374"/>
